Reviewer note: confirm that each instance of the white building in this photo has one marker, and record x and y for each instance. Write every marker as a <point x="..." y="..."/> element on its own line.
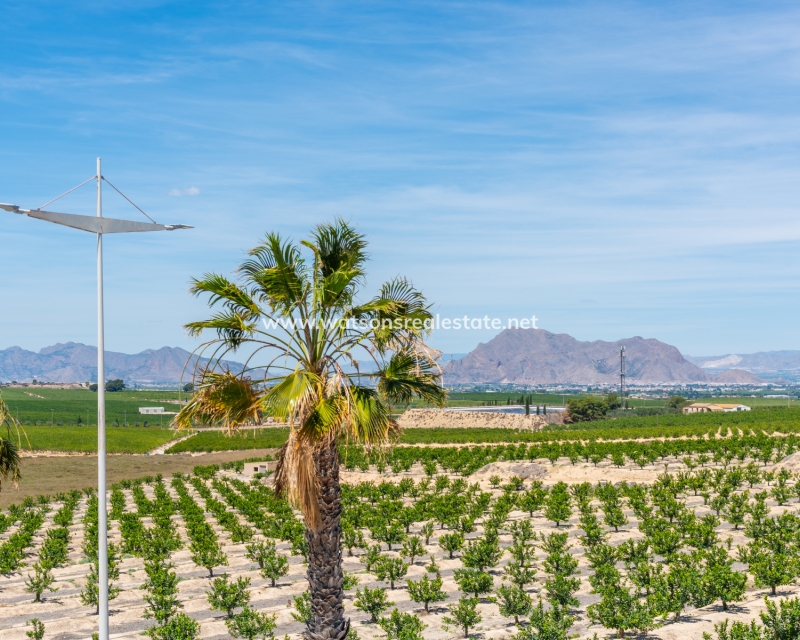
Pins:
<point x="705" y="407"/>
<point x="151" y="410"/>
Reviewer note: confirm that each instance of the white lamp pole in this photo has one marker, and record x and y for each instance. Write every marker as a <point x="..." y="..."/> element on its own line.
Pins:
<point x="102" y="515"/>
<point x="99" y="225"/>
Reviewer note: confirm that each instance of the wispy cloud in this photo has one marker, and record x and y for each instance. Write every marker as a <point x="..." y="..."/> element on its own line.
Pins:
<point x="189" y="191"/>
<point x="505" y="155"/>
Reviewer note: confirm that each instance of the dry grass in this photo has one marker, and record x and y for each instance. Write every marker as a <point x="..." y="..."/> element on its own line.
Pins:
<point x="52" y="474"/>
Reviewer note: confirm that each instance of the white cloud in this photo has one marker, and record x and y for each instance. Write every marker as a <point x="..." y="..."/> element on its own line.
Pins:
<point x="191" y="191"/>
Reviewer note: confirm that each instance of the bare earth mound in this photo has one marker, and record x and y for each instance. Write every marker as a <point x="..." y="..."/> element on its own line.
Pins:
<point x="440" y="419"/>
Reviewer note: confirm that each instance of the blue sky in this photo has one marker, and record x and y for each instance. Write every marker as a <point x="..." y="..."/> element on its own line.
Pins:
<point x="616" y="169"/>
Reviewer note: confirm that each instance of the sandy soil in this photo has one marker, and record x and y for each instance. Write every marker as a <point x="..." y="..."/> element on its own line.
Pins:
<point x="66" y="619"/>
<point x="439" y="419"/>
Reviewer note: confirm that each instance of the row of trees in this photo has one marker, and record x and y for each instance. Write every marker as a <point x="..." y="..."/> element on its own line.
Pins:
<point x="680" y="562"/>
<point x="467" y="460"/>
<point x="55" y="548"/>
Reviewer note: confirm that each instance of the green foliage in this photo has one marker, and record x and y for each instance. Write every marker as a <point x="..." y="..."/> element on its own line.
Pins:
<point x="551" y="624"/>
<point x="251" y="624"/>
<point x="473" y="581"/>
<point x="679" y="586"/>
<point x="621" y="610"/>
<point x="561" y="565"/>
<point x="779" y="622"/>
<point x="402" y="626"/>
<point x="558" y="508"/>
<point x="481" y="554"/>
<point x="463" y="615"/>
<point x="208" y="441"/>
<point x="161" y="588"/>
<point x="228" y="596"/>
<point x="273" y="566"/>
<point x="426" y="590"/>
<point x="42" y="580"/>
<point x="519" y="573"/>
<point x="302" y="605"/>
<point x="179" y="627"/>
<point x="372" y="601"/>
<point x="412" y="549"/>
<point x="37" y="632"/>
<point x="390" y="569"/>
<point x="513" y="602"/>
<point x="451" y="542"/>
<point x="677" y="402"/>
<point x="587" y="409"/>
<point x="349" y="580"/>
<point x="352" y="539"/>
<point x="90" y="596"/>
<point x="720" y="580"/>
<point x="771" y="567"/>
<point x="114" y="386"/>
<point x="208" y="553"/>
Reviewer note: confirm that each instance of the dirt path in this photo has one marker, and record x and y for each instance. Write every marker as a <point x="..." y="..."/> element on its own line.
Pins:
<point x="160" y="450"/>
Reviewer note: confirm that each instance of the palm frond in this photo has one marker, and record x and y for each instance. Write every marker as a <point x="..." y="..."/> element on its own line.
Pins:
<point x="339" y="248"/>
<point x="398" y="316"/>
<point x="231" y="326"/>
<point x="9" y="453"/>
<point x="223" y="290"/>
<point x="221" y="399"/>
<point x="293" y="396"/>
<point x="278" y="273"/>
<point x="296" y="478"/>
<point x="370" y="420"/>
<point x="409" y="375"/>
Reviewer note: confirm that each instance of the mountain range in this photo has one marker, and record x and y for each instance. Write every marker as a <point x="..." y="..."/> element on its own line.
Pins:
<point x="73" y="362"/>
<point x="765" y="364"/>
<point x="519" y="356"/>
<point x="537" y="356"/>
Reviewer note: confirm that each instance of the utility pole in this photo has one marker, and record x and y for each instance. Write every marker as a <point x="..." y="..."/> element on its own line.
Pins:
<point x="622" y="375"/>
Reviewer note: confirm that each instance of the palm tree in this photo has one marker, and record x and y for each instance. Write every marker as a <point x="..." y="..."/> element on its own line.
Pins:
<point x="301" y="314"/>
<point x="9" y="453"/>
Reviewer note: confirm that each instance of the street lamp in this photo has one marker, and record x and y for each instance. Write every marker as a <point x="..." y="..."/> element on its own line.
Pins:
<point x="100" y="226"/>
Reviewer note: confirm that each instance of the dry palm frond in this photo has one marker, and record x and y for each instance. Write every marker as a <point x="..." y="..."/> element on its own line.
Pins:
<point x="223" y="399"/>
<point x="9" y="452"/>
<point x="296" y="477"/>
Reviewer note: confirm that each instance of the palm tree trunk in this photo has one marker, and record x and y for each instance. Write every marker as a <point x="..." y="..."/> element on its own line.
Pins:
<point x="325" y="553"/>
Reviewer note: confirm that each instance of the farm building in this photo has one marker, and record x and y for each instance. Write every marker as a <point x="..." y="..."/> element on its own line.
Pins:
<point x="151" y="410"/>
<point x="252" y="468"/>
<point x="705" y="407"/>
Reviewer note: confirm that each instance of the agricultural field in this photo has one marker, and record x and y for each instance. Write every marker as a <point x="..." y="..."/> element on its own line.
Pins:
<point x="84" y="439"/>
<point x="64" y="407"/>
<point x="439" y="542"/>
<point x="485" y="398"/>
<point x="50" y="474"/>
<point x="674" y="426"/>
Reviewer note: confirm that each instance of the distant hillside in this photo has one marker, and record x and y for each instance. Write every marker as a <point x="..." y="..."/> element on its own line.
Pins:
<point x="72" y="362"/>
<point x="536" y="356"/>
<point x="736" y="376"/>
<point x="765" y="364"/>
